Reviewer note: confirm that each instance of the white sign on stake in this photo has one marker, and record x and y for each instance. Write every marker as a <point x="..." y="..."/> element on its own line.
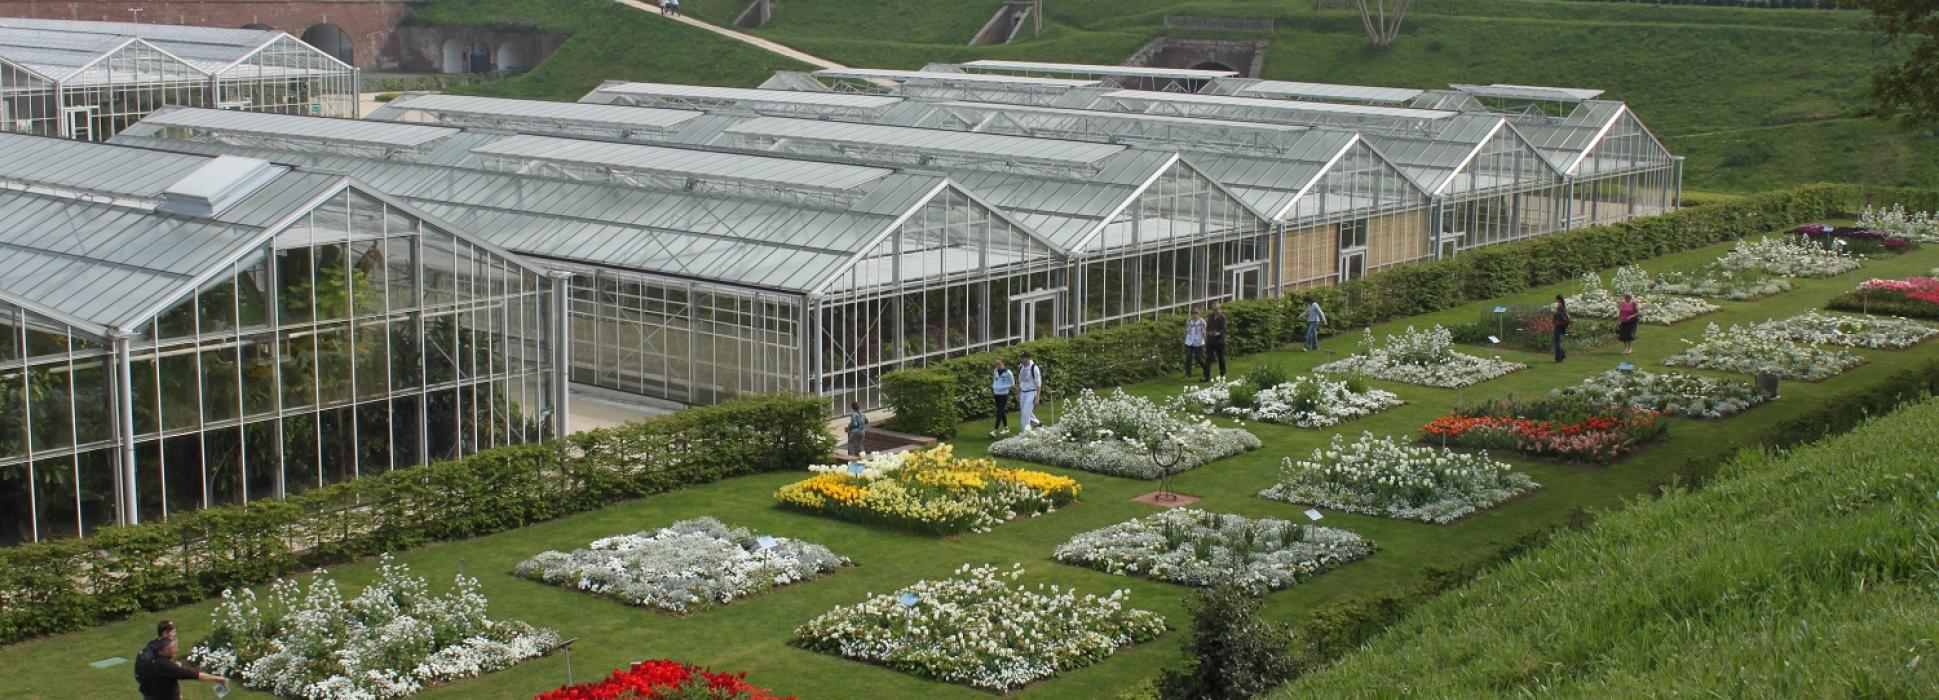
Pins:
<point x="856" y="469"/>
<point x="1312" y="514"/>
<point x="907" y="600"/>
<point x="1501" y="309"/>
<point x="1494" y="340"/>
<point x="765" y="542"/>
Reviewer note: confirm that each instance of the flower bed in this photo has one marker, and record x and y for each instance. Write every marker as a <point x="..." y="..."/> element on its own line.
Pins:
<point x="1912" y="297"/>
<point x="1850" y="331"/>
<point x="981" y="629"/>
<point x="1745" y="351"/>
<point x="1787" y="257"/>
<point x="1385" y="477"/>
<point x="662" y="679"/>
<point x="1675" y="393"/>
<point x="1529" y="328"/>
<point x="1593" y="300"/>
<point x="1715" y="282"/>
<point x="1918" y="226"/>
<point x="1116" y="434"/>
<point x="690" y="564"/>
<point x="1570" y="427"/>
<point x="1267" y="395"/>
<point x="1420" y="357"/>
<point x="392" y="640"/>
<point x="927" y="491"/>
<point x="1196" y="548"/>
<point x="1855" y="240"/>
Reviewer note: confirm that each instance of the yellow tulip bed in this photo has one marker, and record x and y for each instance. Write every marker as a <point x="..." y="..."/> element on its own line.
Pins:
<point x="928" y="491"/>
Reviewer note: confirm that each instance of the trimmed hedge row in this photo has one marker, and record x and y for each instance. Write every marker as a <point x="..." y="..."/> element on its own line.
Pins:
<point x="63" y="585"/>
<point x="1150" y="348"/>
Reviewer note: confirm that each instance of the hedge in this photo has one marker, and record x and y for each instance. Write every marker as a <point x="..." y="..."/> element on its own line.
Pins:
<point x="921" y="400"/>
<point x="195" y="555"/>
<point x="1150" y="348"/>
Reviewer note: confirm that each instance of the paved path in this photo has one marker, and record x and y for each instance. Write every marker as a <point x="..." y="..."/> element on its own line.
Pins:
<point x="756" y="41"/>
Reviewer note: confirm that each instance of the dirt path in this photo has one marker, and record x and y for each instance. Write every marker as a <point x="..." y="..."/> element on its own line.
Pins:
<point x="654" y="9"/>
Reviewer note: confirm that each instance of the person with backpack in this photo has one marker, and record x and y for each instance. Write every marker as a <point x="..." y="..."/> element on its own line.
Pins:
<point x="1562" y="319"/>
<point x="157" y="675"/>
<point x="1002" y="382"/>
<point x="1030" y="385"/>
<point x="858" y="428"/>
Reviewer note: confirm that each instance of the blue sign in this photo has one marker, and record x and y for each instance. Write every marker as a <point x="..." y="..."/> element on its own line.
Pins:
<point x="1626" y="367"/>
<point x="855" y="469"/>
<point x="907" y="600"/>
<point x="1501" y="309"/>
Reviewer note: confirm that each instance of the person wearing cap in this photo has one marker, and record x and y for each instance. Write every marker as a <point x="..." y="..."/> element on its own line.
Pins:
<point x="1030" y="384"/>
<point x="158" y="675"/>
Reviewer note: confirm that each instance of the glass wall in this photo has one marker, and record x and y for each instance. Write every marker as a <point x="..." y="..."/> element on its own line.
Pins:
<point x="101" y="98"/>
<point x="358" y="341"/>
<point x="1183" y="243"/>
<point x="1506" y="192"/>
<point x="289" y="77"/>
<point x="1363" y="215"/>
<point x="681" y="340"/>
<point x="951" y="280"/>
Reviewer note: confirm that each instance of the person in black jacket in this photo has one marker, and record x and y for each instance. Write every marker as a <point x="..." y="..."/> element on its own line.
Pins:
<point x="1215" y="340"/>
<point x="1562" y="320"/>
<point x="158" y="676"/>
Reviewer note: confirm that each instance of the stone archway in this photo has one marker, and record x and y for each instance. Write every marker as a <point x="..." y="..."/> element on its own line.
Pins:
<point x="331" y="39"/>
<point x="478" y="58"/>
<point x="452" y="55"/>
<point x="512" y="56"/>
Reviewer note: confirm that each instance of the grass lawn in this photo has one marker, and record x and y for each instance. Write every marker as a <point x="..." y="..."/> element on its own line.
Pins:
<point x="752" y="635"/>
<point x="1757" y="98"/>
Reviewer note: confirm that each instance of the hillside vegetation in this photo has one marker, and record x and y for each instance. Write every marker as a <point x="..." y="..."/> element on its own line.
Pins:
<point x="1811" y="574"/>
<point x="1756" y="98"/>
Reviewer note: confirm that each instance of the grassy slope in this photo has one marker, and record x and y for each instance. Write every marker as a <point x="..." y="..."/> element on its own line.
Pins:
<point x="752" y="635"/>
<point x="609" y="42"/>
<point x="1756" y="98"/>
<point x="1802" y="575"/>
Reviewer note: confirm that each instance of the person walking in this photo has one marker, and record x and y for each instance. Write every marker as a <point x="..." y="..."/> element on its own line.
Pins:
<point x="1628" y="314"/>
<point x="1562" y="320"/>
<point x="1002" y="382"/>
<point x="858" y="428"/>
<point x="1194" y="342"/>
<point x="1315" y="317"/>
<point x="1215" y="340"/>
<point x="158" y="676"/>
<point x="1030" y="385"/>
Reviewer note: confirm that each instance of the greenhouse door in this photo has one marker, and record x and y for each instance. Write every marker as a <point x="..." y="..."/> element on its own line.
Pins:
<point x="1036" y="316"/>
<point x="80" y="123"/>
<point x="1246" y="280"/>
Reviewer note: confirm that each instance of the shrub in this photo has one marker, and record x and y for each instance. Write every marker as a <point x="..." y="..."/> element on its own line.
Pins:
<point x="1232" y="652"/>
<point x="663" y="679"/>
<point x="1121" y="434"/>
<point x="923" y="402"/>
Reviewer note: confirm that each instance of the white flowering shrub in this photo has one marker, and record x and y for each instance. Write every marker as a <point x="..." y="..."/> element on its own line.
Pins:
<point x="1919" y="226"/>
<point x="392" y="640"/>
<point x="1420" y="357"/>
<point x="1676" y="393"/>
<point x="1788" y="257"/>
<point x="689" y="565"/>
<point x="1715" y="282"/>
<point x="1118" y="434"/>
<point x="1746" y="350"/>
<point x="1197" y="548"/>
<point x="1308" y="401"/>
<point x="1594" y="300"/>
<point x="1878" y="333"/>
<point x="980" y="628"/>
<point x="1390" y="478"/>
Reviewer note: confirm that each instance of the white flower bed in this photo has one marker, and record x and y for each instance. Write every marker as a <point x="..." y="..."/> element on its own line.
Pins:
<point x="1420" y="357"/>
<point x="1718" y="283"/>
<point x="1307" y="401"/>
<point x="1787" y="257"/>
<point x="979" y="628"/>
<point x="687" y="565"/>
<point x="1747" y="351"/>
<point x="1919" y="226"/>
<point x="1196" y="548"/>
<point x="1117" y="433"/>
<point x="392" y="640"/>
<point x="1675" y="393"/>
<point x="1593" y="300"/>
<point x="1390" y="478"/>
<point x="1878" y="333"/>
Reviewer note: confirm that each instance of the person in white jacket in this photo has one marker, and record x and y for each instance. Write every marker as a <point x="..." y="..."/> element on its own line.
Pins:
<point x="1030" y="385"/>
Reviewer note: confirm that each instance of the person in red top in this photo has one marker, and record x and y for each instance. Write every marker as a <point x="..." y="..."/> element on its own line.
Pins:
<point x="1628" y="313"/>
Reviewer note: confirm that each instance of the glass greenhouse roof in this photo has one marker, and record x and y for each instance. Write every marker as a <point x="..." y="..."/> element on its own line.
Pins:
<point x="211" y="49"/>
<point x="466" y="110"/>
<point x="345" y="131"/>
<point x="1282" y="89"/>
<point x="1271" y="107"/>
<point x="720" y="167"/>
<point x="906" y="76"/>
<point x="81" y="239"/>
<point x="705" y="97"/>
<point x="1015" y="149"/>
<point x="1528" y="92"/>
<point x="1099" y="70"/>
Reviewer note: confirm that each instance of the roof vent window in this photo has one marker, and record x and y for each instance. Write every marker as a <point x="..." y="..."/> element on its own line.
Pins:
<point x="217" y="185"/>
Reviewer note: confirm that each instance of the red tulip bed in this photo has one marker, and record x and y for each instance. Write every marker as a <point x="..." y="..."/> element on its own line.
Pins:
<point x="665" y="680"/>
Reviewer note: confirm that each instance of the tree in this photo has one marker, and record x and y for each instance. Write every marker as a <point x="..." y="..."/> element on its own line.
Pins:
<point x="1232" y="654"/>
<point x="1382" y="19"/>
<point x="1908" y="90"/>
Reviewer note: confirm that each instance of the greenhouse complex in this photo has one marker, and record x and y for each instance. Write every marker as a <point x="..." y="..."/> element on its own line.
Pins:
<point x="814" y="233"/>
<point x="88" y="80"/>
<point x="180" y="331"/>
